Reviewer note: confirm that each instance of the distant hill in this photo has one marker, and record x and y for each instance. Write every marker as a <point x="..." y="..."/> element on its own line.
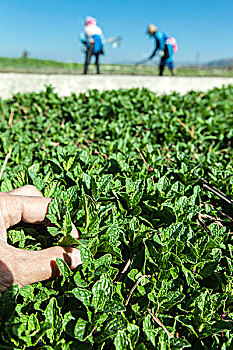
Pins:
<point x="223" y="63"/>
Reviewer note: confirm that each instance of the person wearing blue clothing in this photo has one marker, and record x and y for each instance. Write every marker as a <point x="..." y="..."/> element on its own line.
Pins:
<point x="164" y="47"/>
<point x="92" y="38"/>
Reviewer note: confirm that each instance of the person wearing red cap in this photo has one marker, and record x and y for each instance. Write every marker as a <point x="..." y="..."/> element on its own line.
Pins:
<point x="92" y="38"/>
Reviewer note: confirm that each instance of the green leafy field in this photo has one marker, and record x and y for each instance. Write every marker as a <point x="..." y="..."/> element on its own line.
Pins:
<point x="33" y="65"/>
<point x="140" y="176"/>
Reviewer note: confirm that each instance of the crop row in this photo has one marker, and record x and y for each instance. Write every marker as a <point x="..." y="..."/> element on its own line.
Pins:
<point x="148" y="182"/>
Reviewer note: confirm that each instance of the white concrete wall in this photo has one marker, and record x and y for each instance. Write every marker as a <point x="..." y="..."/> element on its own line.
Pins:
<point x="11" y="83"/>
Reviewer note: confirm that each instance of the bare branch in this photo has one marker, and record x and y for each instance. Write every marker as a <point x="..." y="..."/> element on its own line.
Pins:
<point x="215" y="190"/>
<point x="220" y="212"/>
<point x="5" y="162"/>
<point x="24" y="109"/>
<point x="217" y="220"/>
<point x="221" y="196"/>
<point x="149" y="168"/>
<point x="41" y="143"/>
<point x="11" y="117"/>
<point x="38" y="109"/>
<point x="168" y="151"/>
<point x="123" y="271"/>
<point x="202" y="223"/>
<point x="191" y="132"/>
<point x="103" y="154"/>
<point x="155" y="318"/>
<point x="135" y="286"/>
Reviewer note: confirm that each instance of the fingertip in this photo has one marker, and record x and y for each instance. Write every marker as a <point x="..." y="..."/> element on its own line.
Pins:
<point x="74" y="232"/>
<point x="75" y="258"/>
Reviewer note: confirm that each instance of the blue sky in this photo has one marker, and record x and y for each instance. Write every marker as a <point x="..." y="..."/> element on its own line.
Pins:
<point x="50" y="29"/>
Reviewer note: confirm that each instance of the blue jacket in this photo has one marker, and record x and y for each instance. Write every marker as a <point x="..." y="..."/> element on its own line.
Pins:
<point x="160" y="39"/>
<point x="98" y="46"/>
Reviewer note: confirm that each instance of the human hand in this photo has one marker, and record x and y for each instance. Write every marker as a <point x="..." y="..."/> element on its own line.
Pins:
<point x="23" y="267"/>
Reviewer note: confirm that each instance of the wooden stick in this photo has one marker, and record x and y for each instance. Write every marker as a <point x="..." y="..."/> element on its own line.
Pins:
<point x="217" y="220"/>
<point x="11" y="117"/>
<point x="92" y="196"/>
<point x="5" y="162"/>
<point x="214" y="190"/>
<point x="201" y="222"/>
<point x="145" y="162"/>
<point x="41" y="143"/>
<point x="38" y="109"/>
<point x="123" y="271"/>
<point x="155" y="318"/>
<point x="135" y="286"/>
<point x="25" y="111"/>
<point x="229" y="201"/>
<point x="220" y="212"/>
<point x="191" y="132"/>
<point x="149" y="168"/>
<point x="168" y="152"/>
<point x="103" y="154"/>
<point x="3" y="115"/>
<point x="47" y="129"/>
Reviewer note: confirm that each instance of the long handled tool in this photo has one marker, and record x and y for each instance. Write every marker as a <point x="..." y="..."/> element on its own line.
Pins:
<point x="142" y="61"/>
<point x="114" y="41"/>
